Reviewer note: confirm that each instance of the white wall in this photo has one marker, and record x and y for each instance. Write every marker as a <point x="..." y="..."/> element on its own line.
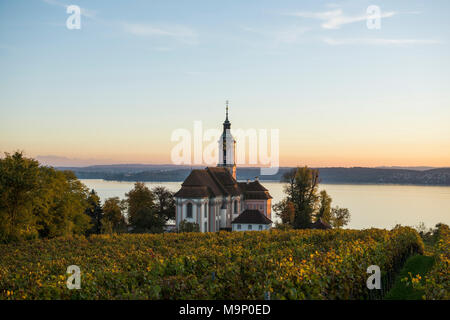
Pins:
<point x="231" y="148"/>
<point x="199" y="206"/>
<point x="245" y="227"/>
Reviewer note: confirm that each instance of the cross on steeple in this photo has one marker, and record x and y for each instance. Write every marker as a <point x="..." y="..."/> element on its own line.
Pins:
<point x="226" y="102"/>
<point x="226" y="123"/>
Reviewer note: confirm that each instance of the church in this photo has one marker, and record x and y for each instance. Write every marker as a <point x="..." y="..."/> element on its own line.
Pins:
<point x="215" y="200"/>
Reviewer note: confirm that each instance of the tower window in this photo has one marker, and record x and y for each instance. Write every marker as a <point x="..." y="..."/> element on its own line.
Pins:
<point x="189" y="210"/>
<point x="235" y="206"/>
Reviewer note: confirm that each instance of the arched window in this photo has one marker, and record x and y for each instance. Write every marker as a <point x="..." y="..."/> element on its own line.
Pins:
<point x="189" y="210"/>
<point x="235" y="206"/>
<point x="206" y="227"/>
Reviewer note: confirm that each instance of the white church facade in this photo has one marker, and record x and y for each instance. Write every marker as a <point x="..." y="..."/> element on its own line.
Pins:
<point x="215" y="200"/>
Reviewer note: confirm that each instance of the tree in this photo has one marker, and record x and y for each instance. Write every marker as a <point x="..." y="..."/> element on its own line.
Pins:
<point x="302" y="202"/>
<point x="285" y="210"/>
<point x="142" y="212"/>
<point x="165" y="203"/>
<point x="38" y="201"/>
<point x="95" y="212"/>
<point x="19" y="178"/>
<point x="186" y="226"/>
<point x="301" y="189"/>
<point x="324" y="212"/>
<point x="339" y="217"/>
<point x="113" y="219"/>
<point x="60" y="204"/>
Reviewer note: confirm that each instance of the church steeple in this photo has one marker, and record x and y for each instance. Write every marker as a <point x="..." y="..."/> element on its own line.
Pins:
<point x="227" y="146"/>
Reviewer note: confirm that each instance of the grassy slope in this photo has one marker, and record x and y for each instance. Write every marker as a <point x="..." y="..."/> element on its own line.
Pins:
<point x="417" y="264"/>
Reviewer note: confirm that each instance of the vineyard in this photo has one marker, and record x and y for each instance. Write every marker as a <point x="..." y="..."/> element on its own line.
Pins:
<point x="307" y="264"/>
<point x="437" y="282"/>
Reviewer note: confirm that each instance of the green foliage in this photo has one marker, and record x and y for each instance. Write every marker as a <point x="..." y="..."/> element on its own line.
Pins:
<point x="437" y="282"/>
<point x="94" y="210"/>
<point x="417" y="265"/>
<point x="113" y="218"/>
<point x="165" y="202"/>
<point x="324" y="211"/>
<point x="296" y="264"/>
<point x="301" y="189"/>
<point x="39" y="201"/>
<point x="142" y="211"/>
<point x="19" y="180"/>
<point x="283" y="226"/>
<point x="339" y="217"/>
<point x="285" y="210"/>
<point x="186" y="226"/>
<point x="302" y="201"/>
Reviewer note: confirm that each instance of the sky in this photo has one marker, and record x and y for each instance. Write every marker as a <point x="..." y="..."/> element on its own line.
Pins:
<point x="114" y="91"/>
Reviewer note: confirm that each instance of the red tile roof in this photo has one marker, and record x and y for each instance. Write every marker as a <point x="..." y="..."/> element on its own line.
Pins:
<point x="320" y="224"/>
<point x="209" y="182"/>
<point x="254" y="190"/>
<point x="218" y="181"/>
<point x="253" y="217"/>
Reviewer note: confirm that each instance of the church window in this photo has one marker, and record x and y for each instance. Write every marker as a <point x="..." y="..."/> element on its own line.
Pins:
<point x="189" y="210"/>
<point x="249" y="227"/>
<point x="206" y="227"/>
<point x="206" y="212"/>
<point x="260" y="227"/>
<point x="235" y="206"/>
<point x="239" y="227"/>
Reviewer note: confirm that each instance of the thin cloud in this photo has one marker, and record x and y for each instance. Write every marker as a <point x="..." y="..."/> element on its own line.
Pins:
<point x="380" y="41"/>
<point x="332" y="5"/>
<point x="179" y="33"/>
<point x="84" y="12"/>
<point x="334" y="19"/>
<point x="286" y="35"/>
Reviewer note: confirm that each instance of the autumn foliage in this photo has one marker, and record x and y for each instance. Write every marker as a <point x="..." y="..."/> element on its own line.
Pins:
<point x="296" y="264"/>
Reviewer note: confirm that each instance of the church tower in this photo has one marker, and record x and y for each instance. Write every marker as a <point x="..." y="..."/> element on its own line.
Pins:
<point x="227" y="147"/>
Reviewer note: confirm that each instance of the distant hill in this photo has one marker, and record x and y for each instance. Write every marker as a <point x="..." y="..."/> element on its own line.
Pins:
<point x="419" y="168"/>
<point x="165" y="173"/>
<point x="386" y="176"/>
<point x="128" y="168"/>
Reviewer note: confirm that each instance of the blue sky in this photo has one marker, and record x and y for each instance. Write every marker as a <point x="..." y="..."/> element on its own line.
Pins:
<point x="340" y="93"/>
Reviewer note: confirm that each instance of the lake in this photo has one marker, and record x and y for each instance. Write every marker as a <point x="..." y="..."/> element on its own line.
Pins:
<point x="380" y="206"/>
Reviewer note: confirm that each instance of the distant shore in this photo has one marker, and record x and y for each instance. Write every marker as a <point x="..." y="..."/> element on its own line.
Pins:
<point x="356" y="175"/>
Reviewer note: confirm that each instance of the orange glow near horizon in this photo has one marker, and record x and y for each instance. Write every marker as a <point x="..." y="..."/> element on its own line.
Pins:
<point x="286" y="159"/>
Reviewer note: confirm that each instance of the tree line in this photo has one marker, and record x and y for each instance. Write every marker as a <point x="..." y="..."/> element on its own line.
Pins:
<point x="41" y="202"/>
<point x="304" y="204"/>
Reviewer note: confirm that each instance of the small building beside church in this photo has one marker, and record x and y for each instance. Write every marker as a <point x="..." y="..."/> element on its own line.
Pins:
<point x="251" y="220"/>
<point x="215" y="200"/>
